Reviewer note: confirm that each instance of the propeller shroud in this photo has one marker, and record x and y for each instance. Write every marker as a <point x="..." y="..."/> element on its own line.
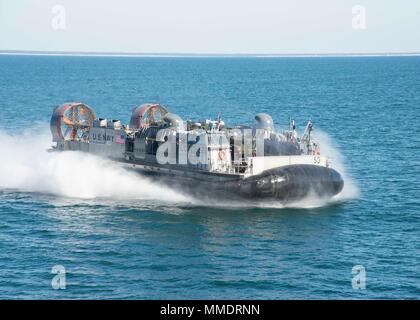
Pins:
<point x="146" y="114"/>
<point x="71" y="121"/>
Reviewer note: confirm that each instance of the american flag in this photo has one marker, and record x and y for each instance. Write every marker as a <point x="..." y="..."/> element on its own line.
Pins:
<point x="120" y="139"/>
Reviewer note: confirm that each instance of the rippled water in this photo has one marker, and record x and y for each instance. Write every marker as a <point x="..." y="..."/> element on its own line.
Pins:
<point x="122" y="236"/>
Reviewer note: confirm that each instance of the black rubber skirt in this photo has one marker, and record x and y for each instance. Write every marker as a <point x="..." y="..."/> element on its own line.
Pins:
<point x="293" y="182"/>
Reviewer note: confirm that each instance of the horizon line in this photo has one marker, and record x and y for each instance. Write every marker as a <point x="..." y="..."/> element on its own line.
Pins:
<point x="201" y="55"/>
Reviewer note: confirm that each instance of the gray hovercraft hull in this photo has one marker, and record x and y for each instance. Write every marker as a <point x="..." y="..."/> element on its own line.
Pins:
<point x="292" y="170"/>
<point x="284" y="184"/>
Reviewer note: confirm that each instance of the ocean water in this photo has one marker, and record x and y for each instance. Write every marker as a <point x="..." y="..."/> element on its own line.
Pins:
<point x="119" y="235"/>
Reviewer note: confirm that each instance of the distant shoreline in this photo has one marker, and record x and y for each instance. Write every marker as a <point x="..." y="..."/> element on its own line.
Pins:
<point x="202" y="55"/>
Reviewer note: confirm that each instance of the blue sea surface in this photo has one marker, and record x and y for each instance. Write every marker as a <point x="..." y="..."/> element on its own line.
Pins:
<point x="123" y="237"/>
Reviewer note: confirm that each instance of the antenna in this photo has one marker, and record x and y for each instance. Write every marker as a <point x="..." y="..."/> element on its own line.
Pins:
<point x="218" y="121"/>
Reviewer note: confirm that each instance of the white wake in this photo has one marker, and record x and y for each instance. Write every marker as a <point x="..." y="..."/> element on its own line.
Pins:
<point x="332" y="152"/>
<point x="26" y="165"/>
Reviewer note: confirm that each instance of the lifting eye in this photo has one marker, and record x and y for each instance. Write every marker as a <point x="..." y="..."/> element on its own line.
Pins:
<point x="262" y="182"/>
<point x="277" y="179"/>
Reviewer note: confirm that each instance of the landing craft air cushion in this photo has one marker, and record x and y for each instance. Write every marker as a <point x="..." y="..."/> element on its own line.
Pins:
<point x="205" y="158"/>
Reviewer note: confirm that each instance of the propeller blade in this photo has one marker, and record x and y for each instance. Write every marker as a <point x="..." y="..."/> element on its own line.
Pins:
<point x="67" y="132"/>
<point x="67" y="121"/>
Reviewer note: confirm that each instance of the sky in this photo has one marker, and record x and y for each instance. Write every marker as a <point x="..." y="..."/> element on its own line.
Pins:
<point x="211" y="26"/>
